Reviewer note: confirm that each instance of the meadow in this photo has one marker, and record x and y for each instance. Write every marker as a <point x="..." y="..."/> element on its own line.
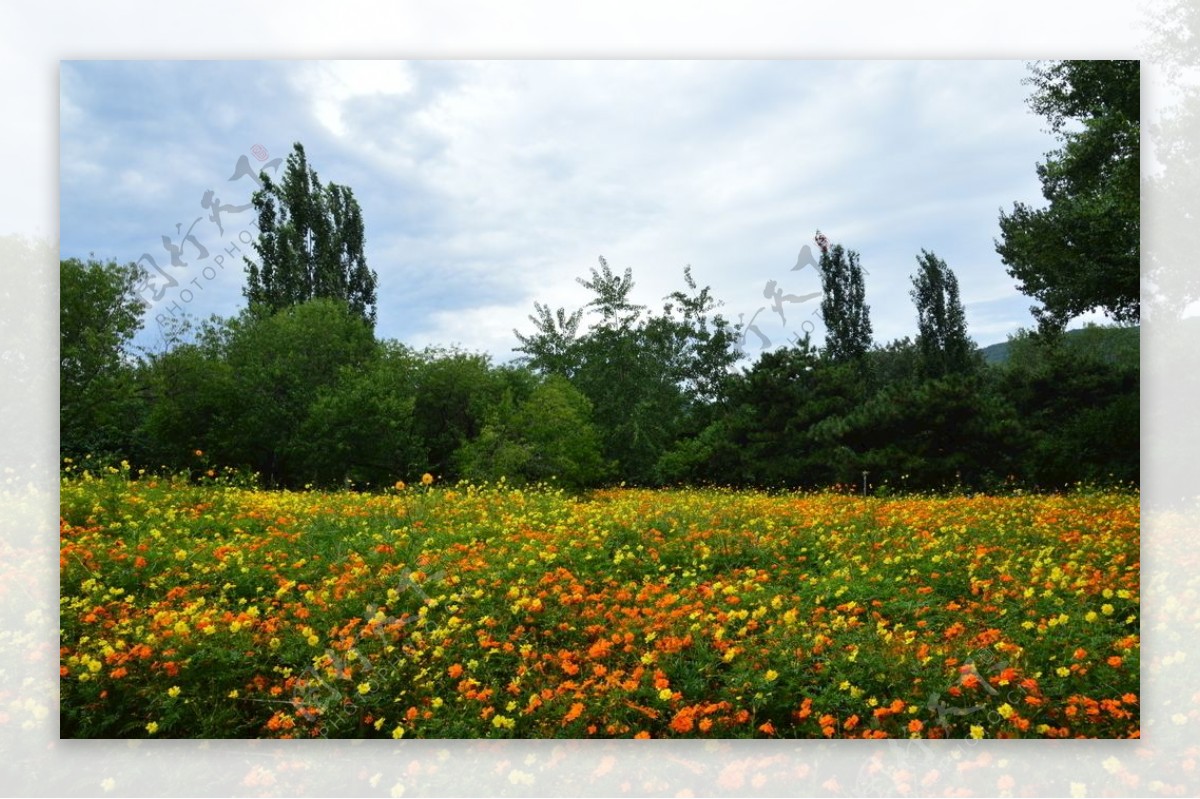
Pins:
<point x="213" y="609"/>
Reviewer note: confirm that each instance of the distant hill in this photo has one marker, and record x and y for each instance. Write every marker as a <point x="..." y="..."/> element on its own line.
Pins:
<point x="1117" y="343"/>
<point x="995" y="353"/>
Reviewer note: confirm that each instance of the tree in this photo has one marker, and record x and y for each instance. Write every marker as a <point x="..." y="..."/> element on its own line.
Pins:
<point x="279" y="366"/>
<point x="843" y="306"/>
<point x="99" y="314"/>
<point x="547" y="436"/>
<point x="941" y="321"/>
<point x="310" y="244"/>
<point x="1081" y="251"/>
<point x="612" y="297"/>
<point x="1078" y="400"/>
<point x="455" y="391"/>
<point x="360" y="428"/>
<point x="551" y="348"/>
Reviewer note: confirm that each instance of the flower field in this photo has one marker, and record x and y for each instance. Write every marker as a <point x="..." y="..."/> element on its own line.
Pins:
<point x="427" y="611"/>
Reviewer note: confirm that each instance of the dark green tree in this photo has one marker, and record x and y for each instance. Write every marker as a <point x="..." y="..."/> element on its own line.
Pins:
<point x="1081" y="251"/>
<point x="941" y="321"/>
<point x="360" y="430"/>
<point x="1078" y="400"/>
<point x="844" y="310"/>
<point x="192" y="397"/>
<point x="100" y="312"/>
<point x="278" y="367"/>
<point x="310" y="244"/>
<point x="455" y="392"/>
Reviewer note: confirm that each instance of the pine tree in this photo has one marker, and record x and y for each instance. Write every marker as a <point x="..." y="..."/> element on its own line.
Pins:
<point x="310" y="244"/>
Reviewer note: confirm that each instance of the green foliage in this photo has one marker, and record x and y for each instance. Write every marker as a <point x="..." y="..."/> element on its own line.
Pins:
<point x="1078" y="399"/>
<point x="99" y="314"/>
<point x="651" y="379"/>
<point x="191" y="392"/>
<point x="843" y="304"/>
<point x="360" y="429"/>
<point x="548" y="436"/>
<point x="279" y="365"/>
<point x="1082" y="251"/>
<point x="941" y="321"/>
<point x="310" y="244"/>
<point x="455" y="390"/>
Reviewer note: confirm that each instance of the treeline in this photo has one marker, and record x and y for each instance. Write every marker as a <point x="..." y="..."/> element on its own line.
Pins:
<point x="308" y="395"/>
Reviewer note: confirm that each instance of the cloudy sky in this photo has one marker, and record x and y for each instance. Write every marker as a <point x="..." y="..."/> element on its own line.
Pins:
<point x="488" y="185"/>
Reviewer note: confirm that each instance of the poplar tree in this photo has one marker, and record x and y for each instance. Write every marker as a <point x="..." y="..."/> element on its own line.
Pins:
<point x="941" y="322"/>
<point x="844" y="310"/>
<point x="310" y="244"/>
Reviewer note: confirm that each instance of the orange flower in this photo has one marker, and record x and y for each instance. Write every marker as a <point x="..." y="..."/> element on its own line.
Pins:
<point x="827" y="721"/>
<point x="599" y="649"/>
<point x="575" y="712"/>
<point x="1114" y="661"/>
<point x="455" y="671"/>
<point x="683" y="721"/>
<point x="916" y="725"/>
<point x="1080" y="653"/>
<point x="767" y="728"/>
<point x="851" y="722"/>
<point x="642" y="735"/>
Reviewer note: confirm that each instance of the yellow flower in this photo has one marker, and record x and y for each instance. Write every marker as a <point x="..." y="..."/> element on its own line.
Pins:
<point x="1091" y="616"/>
<point x="1106" y="609"/>
<point x="398" y="732"/>
<point x="399" y="485"/>
<point x="364" y="687"/>
<point x="427" y="479"/>
<point x="152" y="727"/>
<point x="976" y="731"/>
<point x="1005" y="710"/>
<point x="233" y="694"/>
<point x="771" y="675"/>
<point x="173" y="691"/>
<point x="665" y="694"/>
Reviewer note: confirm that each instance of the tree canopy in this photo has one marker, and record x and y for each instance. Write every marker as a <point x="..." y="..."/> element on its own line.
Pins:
<point x="844" y="309"/>
<point x="1081" y="251"/>
<point x="310" y="244"/>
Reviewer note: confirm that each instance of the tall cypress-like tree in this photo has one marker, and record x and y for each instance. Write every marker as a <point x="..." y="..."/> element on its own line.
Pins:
<point x="310" y="243"/>
<point x="941" y="322"/>
<point x="844" y="310"/>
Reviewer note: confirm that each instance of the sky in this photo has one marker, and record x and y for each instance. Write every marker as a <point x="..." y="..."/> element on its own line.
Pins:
<point x="487" y="186"/>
